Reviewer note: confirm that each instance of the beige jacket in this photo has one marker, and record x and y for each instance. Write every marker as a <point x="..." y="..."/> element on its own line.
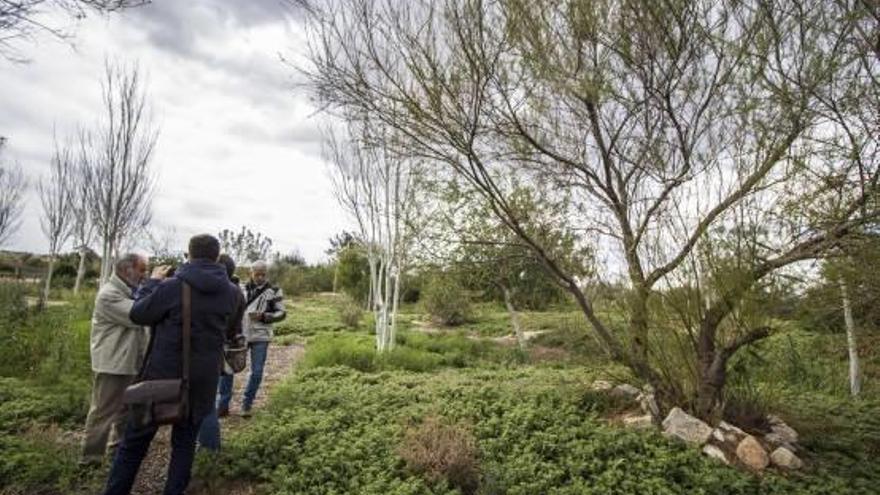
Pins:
<point x="117" y="345"/>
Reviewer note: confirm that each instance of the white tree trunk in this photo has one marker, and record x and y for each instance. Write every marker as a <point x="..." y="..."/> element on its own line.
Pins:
<point x="106" y="260"/>
<point x="395" y="306"/>
<point x="48" y="287"/>
<point x="855" y="378"/>
<point x="81" y="270"/>
<point x="514" y="318"/>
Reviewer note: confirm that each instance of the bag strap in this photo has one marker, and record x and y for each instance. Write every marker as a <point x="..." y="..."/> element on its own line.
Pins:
<point x="187" y="330"/>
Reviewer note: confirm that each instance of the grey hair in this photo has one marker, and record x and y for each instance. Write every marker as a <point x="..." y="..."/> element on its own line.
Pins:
<point x="259" y="265"/>
<point x="127" y="261"/>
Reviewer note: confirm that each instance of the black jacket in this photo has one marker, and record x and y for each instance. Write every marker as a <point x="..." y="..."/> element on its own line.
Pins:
<point x="159" y="304"/>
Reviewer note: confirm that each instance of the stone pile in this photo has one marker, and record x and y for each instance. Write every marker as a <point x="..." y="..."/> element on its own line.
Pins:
<point x="724" y="442"/>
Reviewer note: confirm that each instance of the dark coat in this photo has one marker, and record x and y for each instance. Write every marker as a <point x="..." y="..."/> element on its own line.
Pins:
<point x="159" y="304"/>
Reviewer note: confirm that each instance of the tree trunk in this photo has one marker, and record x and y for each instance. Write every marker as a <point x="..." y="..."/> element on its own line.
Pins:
<point x="395" y="302"/>
<point x="81" y="270"/>
<point x="48" y="287"/>
<point x="514" y="318"/>
<point x="855" y="378"/>
<point x="336" y="277"/>
<point x="105" y="261"/>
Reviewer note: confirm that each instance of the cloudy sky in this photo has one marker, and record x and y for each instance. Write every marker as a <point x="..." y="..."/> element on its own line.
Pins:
<point x="239" y="143"/>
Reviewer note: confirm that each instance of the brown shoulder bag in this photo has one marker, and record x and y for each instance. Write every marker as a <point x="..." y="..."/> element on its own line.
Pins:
<point x="163" y="402"/>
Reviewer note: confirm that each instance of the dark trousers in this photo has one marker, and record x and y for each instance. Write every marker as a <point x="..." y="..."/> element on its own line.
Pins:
<point x="134" y="447"/>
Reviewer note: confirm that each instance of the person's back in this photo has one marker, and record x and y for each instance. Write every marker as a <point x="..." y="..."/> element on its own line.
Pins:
<point x="212" y="302"/>
<point x="159" y="304"/>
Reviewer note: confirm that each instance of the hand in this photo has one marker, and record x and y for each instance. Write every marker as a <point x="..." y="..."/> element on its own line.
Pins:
<point x="255" y="316"/>
<point x="160" y="272"/>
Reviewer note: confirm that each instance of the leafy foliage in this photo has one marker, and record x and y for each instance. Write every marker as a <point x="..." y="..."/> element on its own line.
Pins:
<point x="446" y="300"/>
<point x="335" y="430"/>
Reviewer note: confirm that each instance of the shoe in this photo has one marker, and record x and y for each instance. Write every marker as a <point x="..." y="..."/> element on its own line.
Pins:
<point x="223" y="412"/>
<point x="246" y="412"/>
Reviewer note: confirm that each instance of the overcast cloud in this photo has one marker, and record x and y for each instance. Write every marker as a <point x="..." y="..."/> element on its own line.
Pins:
<point x="238" y="144"/>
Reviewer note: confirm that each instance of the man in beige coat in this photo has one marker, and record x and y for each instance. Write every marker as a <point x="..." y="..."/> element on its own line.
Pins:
<point x="117" y="349"/>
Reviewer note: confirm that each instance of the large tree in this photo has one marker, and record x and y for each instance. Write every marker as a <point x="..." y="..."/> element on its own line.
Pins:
<point x="661" y="120"/>
<point x="57" y="200"/>
<point x="116" y="162"/>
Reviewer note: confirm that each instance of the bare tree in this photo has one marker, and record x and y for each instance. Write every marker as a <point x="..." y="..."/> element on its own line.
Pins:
<point x="377" y="187"/>
<point x="82" y="221"/>
<point x="659" y="120"/>
<point x="56" y="198"/>
<point x="20" y="20"/>
<point x="116" y="160"/>
<point x="12" y="186"/>
<point x="245" y="246"/>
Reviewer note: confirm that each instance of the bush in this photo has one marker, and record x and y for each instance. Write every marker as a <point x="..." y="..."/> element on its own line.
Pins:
<point x="438" y="451"/>
<point x="341" y="350"/>
<point x="13" y="306"/>
<point x="409" y="359"/>
<point x="351" y="314"/>
<point x="446" y="301"/>
<point x="354" y="273"/>
<point x="335" y="430"/>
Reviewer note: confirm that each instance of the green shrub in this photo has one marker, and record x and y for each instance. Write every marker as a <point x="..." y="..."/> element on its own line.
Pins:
<point x="13" y="307"/>
<point x="445" y="300"/>
<point x="37" y="464"/>
<point x="353" y="273"/>
<point x="351" y="314"/>
<point x="341" y="350"/>
<point x="47" y="344"/>
<point x="409" y="359"/>
<point x="338" y="431"/>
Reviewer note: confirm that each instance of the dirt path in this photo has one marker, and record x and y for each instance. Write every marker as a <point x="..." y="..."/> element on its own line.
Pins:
<point x="281" y="359"/>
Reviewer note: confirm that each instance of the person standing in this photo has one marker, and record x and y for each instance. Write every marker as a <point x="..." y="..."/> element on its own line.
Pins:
<point x="159" y="303"/>
<point x="264" y="307"/>
<point x="209" y="434"/>
<point x="117" y="347"/>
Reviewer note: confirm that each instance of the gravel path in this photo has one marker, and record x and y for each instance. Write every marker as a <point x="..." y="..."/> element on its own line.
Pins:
<point x="281" y="359"/>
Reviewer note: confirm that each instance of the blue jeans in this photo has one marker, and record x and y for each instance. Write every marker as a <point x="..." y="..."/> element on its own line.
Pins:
<point x="225" y="391"/>
<point x="259" y="351"/>
<point x="209" y="432"/>
<point x="134" y="447"/>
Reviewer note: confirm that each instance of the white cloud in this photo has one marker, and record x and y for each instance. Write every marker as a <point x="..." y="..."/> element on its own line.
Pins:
<point x="237" y="145"/>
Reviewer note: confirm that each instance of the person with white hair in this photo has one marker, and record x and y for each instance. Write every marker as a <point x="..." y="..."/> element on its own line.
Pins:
<point x="264" y="307"/>
<point x="117" y="347"/>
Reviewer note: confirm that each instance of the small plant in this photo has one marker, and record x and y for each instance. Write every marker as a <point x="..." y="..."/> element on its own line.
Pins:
<point x="438" y="452"/>
<point x="446" y="301"/>
<point x="351" y="314"/>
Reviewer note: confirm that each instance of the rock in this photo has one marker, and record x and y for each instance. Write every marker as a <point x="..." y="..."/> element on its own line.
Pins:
<point x="602" y="385"/>
<point x="648" y="403"/>
<point x="625" y="391"/>
<point x="781" y="433"/>
<point x="728" y="434"/>
<point x="729" y="428"/>
<point x="785" y="458"/>
<point x="643" y="422"/>
<point x="715" y="453"/>
<point x="752" y="454"/>
<point x="681" y="425"/>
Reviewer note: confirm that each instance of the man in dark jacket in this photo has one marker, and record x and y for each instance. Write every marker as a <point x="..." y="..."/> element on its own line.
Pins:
<point x="158" y="303"/>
